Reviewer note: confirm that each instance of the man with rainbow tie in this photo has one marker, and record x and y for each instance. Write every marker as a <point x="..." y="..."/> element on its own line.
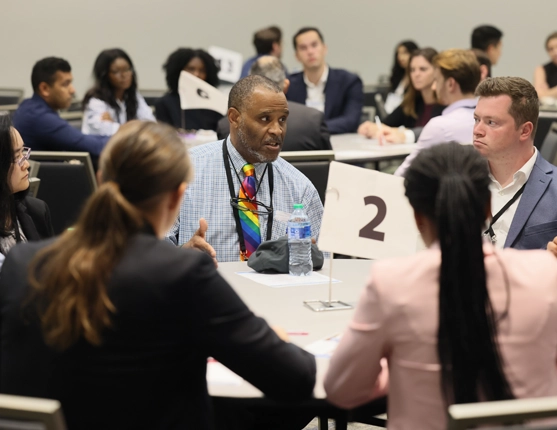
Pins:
<point x="242" y="188"/>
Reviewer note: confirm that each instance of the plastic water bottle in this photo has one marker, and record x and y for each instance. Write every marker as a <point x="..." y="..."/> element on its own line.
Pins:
<point x="299" y="242"/>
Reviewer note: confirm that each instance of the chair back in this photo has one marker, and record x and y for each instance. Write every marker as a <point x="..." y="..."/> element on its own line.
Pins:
<point x="10" y="96"/>
<point x="29" y="413"/>
<point x="506" y="412"/>
<point x="314" y="165"/>
<point x="67" y="181"/>
<point x="549" y="145"/>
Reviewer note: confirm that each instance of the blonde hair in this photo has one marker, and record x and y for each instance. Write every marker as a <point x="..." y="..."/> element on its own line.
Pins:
<point x="140" y="163"/>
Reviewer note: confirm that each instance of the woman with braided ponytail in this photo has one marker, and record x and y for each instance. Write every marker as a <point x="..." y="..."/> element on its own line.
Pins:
<point x="117" y="323"/>
<point x="457" y="323"/>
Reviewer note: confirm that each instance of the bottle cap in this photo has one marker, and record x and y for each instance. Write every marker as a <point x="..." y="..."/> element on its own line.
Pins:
<point x="298" y="206"/>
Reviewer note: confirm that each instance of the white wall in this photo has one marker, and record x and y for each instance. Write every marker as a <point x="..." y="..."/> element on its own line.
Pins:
<point x="361" y="34"/>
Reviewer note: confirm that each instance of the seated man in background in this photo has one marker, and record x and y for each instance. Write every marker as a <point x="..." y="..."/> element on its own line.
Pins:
<point x="267" y="41"/>
<point x="335" y="92"/>
<point x="242" y="212"/>
<point x="457" y="74"/>
<point x="523" y="193"/>
<point x="488" y="39"/>
<point x="37" y="118"/>
<point x="306" y="128"/>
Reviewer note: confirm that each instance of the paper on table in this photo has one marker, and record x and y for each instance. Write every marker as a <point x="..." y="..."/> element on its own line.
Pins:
<point x="284" y="280"/>
<point x="218" y="374"/>
<point x="324" y="348"/>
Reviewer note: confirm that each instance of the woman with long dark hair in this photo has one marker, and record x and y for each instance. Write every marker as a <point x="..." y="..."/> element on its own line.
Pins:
<point x="22" y="217"/>
<point x="114" y="98"/>
<point x="399" y="80"/>
<point x="545" y="76"/>
<point x="167" y="109"/>
<point x="419" y="103"/>
<point x="117" y="323"/>
<point x="460" y="322"/>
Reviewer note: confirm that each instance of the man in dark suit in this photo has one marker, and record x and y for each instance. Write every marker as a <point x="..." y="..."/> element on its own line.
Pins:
<point x="335" y="92"/>
<point x="37" y="118"/>
<point x="306" y="128"/>
<point x="524" y="186"/>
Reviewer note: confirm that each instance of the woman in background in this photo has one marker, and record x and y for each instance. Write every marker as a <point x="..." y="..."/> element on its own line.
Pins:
<point x="167" y="109"/>
<point x="545" y="77"/>
<point x="460" y="322"/>
<point x="418" y="106"/>
<point x="118" y="324"/>
<point x="22" y="218"/>
<point x="114" y="99"/>
<point x="399" y="78"/>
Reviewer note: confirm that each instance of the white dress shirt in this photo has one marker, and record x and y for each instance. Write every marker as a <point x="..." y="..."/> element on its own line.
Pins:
<point x="316" y="92"/>
<point x="501" y="195"/>
<point x="93" y="124"/>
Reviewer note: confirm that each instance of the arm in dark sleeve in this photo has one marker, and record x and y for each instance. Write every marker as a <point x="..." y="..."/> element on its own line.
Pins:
<point x="395" y="118"/>
<point x="62" y="136"/>
<point x="350" y="119"/>
<point x="246" y="344"/>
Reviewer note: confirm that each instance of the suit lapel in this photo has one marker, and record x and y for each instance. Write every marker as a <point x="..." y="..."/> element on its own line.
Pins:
<point x="27" y="224"/>
<point x="539" y="180"/>
<point x="330" y="93"/>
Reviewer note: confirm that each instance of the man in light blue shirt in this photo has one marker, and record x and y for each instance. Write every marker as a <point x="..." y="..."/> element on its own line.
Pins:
<point x="257" y="111"/>
<point x="457" y="74"/>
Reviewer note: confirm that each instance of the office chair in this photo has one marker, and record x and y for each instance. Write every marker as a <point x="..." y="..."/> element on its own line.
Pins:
<point x="549" y="146"/>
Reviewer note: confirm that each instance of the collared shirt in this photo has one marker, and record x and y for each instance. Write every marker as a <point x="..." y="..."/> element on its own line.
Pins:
<point x="93" y="124"/>
<point x="208" y="197"/>
<point x="316" y="92"/>
<point x="501" y="195"/>
<point x="455" y="124"/>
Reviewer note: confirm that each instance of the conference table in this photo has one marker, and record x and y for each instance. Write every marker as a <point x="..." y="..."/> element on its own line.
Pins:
<point x="284" y="307"/>
<point x="353" y="148"/>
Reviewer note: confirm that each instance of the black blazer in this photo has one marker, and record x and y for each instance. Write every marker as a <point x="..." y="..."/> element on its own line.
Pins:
<point x="168" y="110"/>
<point x="306" y="130"/>
<point x="173" y="311"/>
<point x="34" y="217"/>
<point x="344" y="99"/>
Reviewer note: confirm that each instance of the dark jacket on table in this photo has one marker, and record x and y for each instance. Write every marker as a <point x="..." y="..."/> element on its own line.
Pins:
<point x="34" y="217"/>
<point x="173" y="311"/>
<point x="168" y="110"/>
<point x="42" y="129"/>
<point x="344" y="99"/>
<point x="305" y="129"/>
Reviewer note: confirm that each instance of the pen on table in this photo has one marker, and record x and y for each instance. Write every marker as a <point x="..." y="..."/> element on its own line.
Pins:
<point x="379" y="129"/>
<point x="297" y="333"/>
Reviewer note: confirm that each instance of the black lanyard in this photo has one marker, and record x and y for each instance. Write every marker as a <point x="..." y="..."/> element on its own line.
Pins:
<point x="494" y="219"/>
<point x="239" y="230"/>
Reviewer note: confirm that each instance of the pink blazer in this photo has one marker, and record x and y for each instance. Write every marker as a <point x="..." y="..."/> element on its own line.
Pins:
<point x="397" y="319"/>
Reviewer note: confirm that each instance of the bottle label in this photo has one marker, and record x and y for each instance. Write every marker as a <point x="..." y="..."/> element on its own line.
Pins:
<point x="302" y="232"/>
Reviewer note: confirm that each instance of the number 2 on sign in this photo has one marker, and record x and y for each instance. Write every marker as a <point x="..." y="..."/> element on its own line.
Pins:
<point x="368" y="232"/>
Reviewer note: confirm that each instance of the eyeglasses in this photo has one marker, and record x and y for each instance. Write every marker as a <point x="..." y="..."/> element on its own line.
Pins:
<point x="235" y="203"/>
<point x="25" y="154"/>
<point x="121" y="71"/>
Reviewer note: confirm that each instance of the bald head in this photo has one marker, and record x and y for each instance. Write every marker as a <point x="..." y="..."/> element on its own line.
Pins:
<point x="241" y="93"/>
<point x="270" y="67"/>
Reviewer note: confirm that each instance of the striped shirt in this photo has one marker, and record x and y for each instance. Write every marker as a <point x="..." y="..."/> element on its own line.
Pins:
<point x="208" y="197"/>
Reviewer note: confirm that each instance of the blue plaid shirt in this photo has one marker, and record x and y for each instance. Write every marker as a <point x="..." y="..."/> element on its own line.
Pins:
<point x="208" y="197"/>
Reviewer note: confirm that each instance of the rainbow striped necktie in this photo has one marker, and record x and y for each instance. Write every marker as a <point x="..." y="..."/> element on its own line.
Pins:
<point x="248" y="219"/>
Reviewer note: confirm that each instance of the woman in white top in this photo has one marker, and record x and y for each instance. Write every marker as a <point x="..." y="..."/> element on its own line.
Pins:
<point x="114" y="99"/>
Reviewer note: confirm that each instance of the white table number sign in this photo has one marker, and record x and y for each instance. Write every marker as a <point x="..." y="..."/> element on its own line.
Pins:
<point x="230" y="63"/>
<point x="367" y="214"/>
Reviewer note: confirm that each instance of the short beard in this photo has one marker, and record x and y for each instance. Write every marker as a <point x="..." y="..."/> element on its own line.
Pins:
<point x="243" y="142"/>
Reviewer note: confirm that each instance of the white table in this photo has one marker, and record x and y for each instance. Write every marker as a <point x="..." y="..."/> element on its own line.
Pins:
<point x="353" y="148"/>
<point x="284" y="307"/>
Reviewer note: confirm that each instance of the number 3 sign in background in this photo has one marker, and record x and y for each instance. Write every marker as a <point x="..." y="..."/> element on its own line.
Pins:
<point x="367" y="215"/>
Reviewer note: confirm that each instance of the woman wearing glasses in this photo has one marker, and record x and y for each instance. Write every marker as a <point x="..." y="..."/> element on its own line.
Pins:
<point x="117" y="323"/>
<point x="114" y="98"/>
<point x="22" y="218"/>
